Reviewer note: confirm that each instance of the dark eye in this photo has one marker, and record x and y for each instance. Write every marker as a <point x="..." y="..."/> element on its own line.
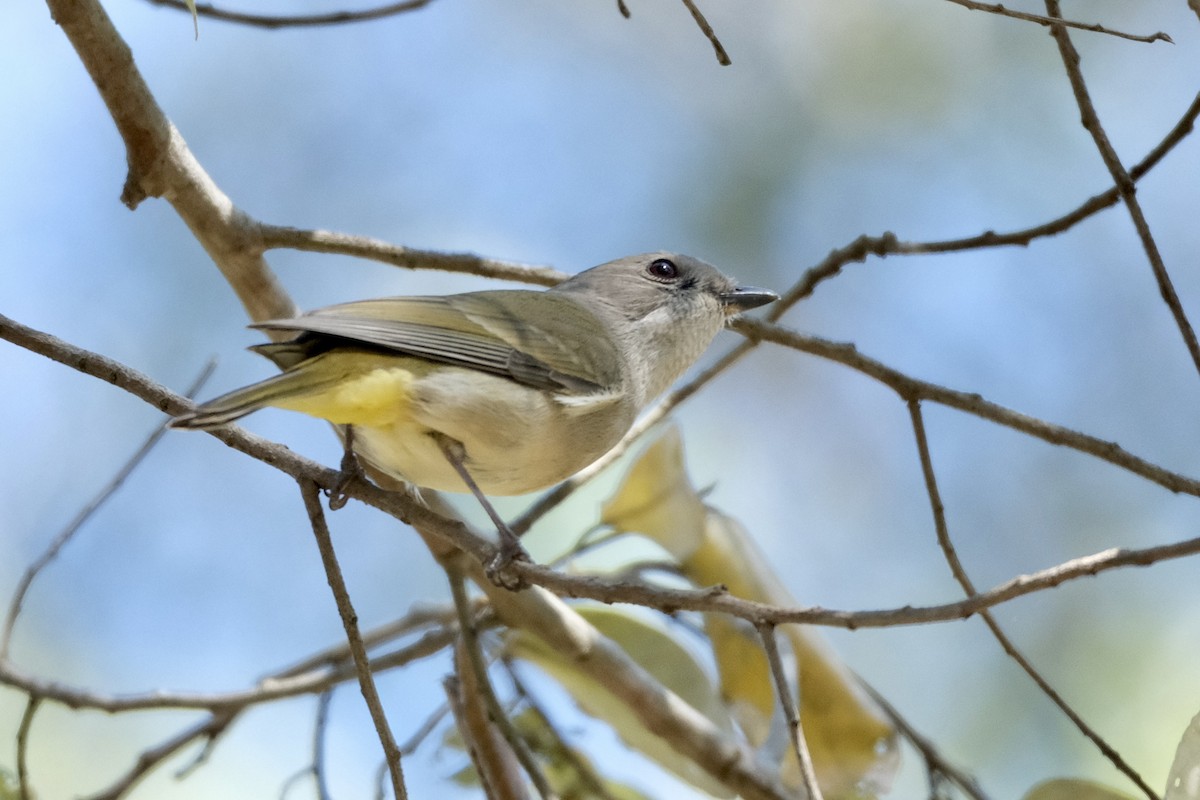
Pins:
<point x="662" y="269"/>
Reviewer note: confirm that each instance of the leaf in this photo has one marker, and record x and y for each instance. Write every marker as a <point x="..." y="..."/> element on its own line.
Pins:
<point x="657" y="500"/>
<point x="656" y="651"/>
<point x="191" y="5"/>
<point x="1183" y="782"/>
<point x="1074" y="789"/>
<point x="852" y="744"/>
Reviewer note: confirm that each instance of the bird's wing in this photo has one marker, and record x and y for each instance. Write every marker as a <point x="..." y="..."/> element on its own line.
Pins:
<point x="480" y="330"/>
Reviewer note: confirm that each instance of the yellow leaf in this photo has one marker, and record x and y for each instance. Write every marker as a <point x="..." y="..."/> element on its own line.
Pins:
<point x="851" y="743"/>
<point x="656" y="498"/>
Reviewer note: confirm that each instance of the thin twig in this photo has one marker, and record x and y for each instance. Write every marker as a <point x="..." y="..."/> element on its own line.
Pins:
<point x="889" y="244"/>
<point x="934" y="760"/>
<point x="996" y="8"/>
<point x="496" y="713"/>
<point x="292" y="780"/>
<point x="24" y="782"/>
<point x="968" y="587"/>
<point x="1122" y="180"/>
<point x="336" y="654"/>
<point x="270" y="237"/>
<point x="207" y="730"/>
<point x="593" y="783"/>
<point x="722" y="56"/>
<point x="333" y="572"/>
<point x="277" y="21"/>
<point x="473" y="738"/>
<point x="273" y="688"/>
<point x="318" y="744"/>
<point x="423" y="730"/>
<point x="84" y="514"/>
<point x="972" y="403"/>
<point x="808" y="775"/>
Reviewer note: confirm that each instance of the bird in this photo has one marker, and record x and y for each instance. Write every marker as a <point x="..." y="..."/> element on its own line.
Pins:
<point x="497" y="392"/>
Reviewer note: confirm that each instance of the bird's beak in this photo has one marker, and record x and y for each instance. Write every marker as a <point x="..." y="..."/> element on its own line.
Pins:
<point x="744" y="298"/>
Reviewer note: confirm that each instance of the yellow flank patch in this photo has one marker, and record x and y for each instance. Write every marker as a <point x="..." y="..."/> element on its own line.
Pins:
<point x="377" y="397"/>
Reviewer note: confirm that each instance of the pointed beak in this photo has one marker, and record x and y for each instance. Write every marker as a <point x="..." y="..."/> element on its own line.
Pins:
<point x="744" y="298"/>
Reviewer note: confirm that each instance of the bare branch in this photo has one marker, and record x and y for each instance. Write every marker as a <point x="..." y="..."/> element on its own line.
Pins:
<point x="722" y="56"/>
<point x="808" y="775"/>
<point x="592" y="784"/>
<point x="972" y="403"/>
<point x="889" y="244"/>
<point x="333" y="572"/>
<point x="318" y="745"/>
<point x="316" y="241"/>
<point x="691" y="733"/>
<point x="277" y="21"/>
<point x="996" y="8"/>
<point x="268" y="690"/>
<point x="1122" y="180"/>
<point x="24" y="782"/>
<point x="705" y="28"/>
<point x="207" y="730"/>
<point x="494" y="759"/>
<point x="714" y="599"/>
<point x="968" y="587"/>
<point x="160" y="164"/>
<point x="935" y="762"/>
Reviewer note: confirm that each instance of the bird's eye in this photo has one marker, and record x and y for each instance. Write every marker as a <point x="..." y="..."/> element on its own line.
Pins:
<point x="663" y="269"/>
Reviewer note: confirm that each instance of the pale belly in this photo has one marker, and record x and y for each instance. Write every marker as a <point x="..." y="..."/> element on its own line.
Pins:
<point x="516" y="440"/>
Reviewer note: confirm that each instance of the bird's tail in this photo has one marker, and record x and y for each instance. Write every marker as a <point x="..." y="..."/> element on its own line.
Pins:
<point x="295" y="382"/>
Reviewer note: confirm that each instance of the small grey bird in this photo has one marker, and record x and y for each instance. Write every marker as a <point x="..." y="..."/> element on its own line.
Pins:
<point x="513" y="390"/>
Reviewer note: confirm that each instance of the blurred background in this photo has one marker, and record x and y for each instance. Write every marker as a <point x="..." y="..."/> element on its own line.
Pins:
<point x="564" y="134"/>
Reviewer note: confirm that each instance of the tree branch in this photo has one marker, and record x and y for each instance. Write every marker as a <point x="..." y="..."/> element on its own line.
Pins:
<point x="333" y="572"/>
<point x="808" y="775"/>
<point x="160" y="164"/>
<point x="714" y="599"/>
<point x="317" y="241"/>
<point x="968" y="587"/>
<point x="278" y="21"/>
<point x="889" y="244"/>
<point x="996" y="8"/>
<point x="1122" y="179"/>
<point x="910" y="388"/>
